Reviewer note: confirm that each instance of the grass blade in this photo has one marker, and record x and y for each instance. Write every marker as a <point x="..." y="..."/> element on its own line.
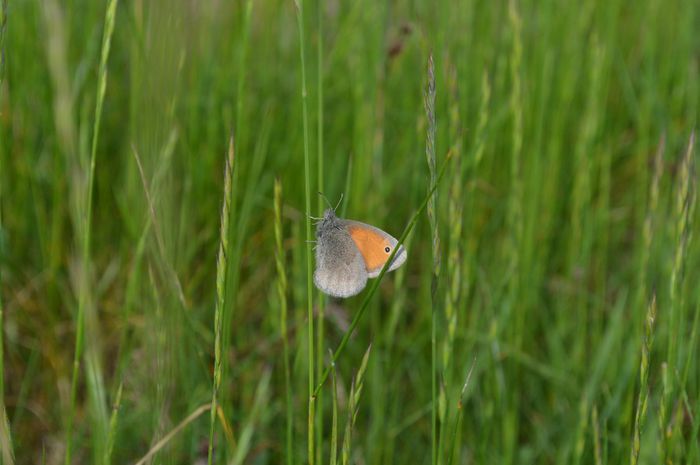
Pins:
<point x="94" y="378"/>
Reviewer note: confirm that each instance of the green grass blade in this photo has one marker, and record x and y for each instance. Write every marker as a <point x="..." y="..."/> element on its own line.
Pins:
<point x="95" y="379"/>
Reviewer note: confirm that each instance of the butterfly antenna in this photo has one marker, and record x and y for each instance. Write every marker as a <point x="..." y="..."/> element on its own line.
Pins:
<point x="338" y="204"/>
<point x="325" y="198"/>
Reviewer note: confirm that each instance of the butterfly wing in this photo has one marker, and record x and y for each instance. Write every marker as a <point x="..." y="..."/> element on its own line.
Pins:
<point x="340" y="269"/>
<point x="375" y="246"/>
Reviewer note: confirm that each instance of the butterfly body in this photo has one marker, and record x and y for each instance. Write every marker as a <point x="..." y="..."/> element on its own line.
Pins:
<point x="349" y="252"/>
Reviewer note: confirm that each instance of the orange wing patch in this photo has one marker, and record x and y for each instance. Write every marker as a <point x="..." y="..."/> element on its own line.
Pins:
<point x="371" y="245"/>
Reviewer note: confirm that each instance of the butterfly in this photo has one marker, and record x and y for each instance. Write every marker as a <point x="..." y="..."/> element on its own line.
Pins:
<point x="349" y="252"/>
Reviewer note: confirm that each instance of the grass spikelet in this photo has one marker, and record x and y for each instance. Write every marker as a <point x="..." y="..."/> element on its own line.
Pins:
<point x="684" y="201"/>
<point x="221" y="302"/>
<point x="684" y="207"/>
<point x="354" y="407"/>
<point x="643" y="397"/>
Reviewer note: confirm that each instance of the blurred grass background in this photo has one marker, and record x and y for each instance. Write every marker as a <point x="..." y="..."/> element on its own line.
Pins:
<point x="567" y="209"/>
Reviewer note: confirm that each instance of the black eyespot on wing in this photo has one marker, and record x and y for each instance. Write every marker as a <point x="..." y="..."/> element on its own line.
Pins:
<point x="387" y="249"/>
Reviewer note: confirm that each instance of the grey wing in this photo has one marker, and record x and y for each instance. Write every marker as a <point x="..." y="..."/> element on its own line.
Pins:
<point x="340" y="269"/>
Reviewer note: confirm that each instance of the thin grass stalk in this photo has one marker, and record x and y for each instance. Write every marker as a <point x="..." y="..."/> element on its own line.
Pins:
<point x="135" y="274"/>
<point x="453" y="449"/>
<point x="429" y="102"/>
<point x="597" y="450"/>
<point x="158" y="346"/>
<point x="682" y="203"/>
<point x="240" y="85"/>
<point x="307" y="197"/>
<point x="663" y="412"/>
<point x="319" y="91"/>
<point x="334" y="420"/>
<point x="169" y="269"/>
<point x="282" y="296"/>
<point x="375" y="284"/>
<point x="238" y="208"/>
<point x="643" y="397"/>
<point x="582" y="220"/>
<point x="3" y="25"/>
<point x="83" y="298"/>
<point x="648" y="228"/>
<point x="647" y="238"/>
<point x="221" y="302"/>
<point x="113" y="421"/>
<point x="262" y="396"/>
<point x="172" y="433"/>
<point x="690" y="360"/>
<point x="321" y="300"/>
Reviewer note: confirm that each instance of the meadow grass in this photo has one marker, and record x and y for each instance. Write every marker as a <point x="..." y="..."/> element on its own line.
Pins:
<point x="548" y="311"/>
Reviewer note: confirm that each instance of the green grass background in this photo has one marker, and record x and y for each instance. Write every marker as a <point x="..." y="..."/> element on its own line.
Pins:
<point x="557" y="222"/>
